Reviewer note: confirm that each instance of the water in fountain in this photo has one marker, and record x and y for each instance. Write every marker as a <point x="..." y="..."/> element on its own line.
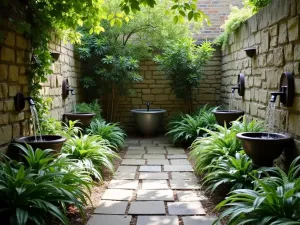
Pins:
<point x="36" y="125"/>
<point x="74" y="103"/>
<point x="270" y="119"/>
<point x="231" y="99"/>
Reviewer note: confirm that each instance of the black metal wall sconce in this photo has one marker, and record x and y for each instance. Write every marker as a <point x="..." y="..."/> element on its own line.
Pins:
<point x="240" y="85"/>
<point x="250" y="52"/>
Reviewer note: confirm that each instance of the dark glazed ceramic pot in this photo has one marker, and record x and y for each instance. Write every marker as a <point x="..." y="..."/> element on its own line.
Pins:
<point x="84" y="118"/>
<point x="263" y="149"/>
<point x="227" y="116"/>
<point x="54" y="142"/>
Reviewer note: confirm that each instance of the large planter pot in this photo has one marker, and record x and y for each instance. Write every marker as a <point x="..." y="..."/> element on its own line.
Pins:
<point x="263" y="147"/>
<point x="54" y="142"/>
<point x="84" y="118"/>
<point x="227" y="116"/>
<point x="148" y="121"/>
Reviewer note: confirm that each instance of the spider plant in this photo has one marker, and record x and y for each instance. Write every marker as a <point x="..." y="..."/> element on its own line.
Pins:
<point x="274" y="201"/>
<point x="236" y="171"/>
<point x="93" y="107"/>
<point x="70" y="129"/>
<point x="91" y="153"/>
<point x="109" y="131"/>
<point x="187" y="128"/>
<point x="28" y="194"/>
<point x="246" y="126"/>
<point x="208" y="150"/>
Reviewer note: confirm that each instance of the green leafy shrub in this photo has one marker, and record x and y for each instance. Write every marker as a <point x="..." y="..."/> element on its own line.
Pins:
<point x="275" y="200"/>
<point x="237" y="171"/>
<point x="41" y="187"/>
<point x="183" y="61"/>
<point x="257" y="4"/>
<point x="93" y="107"/>
<point x="90" y="153"/>
<point x="108" y="131"/>
<point x="186" y="128"/>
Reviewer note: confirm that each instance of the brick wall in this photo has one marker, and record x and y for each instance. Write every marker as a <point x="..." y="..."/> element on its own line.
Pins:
<point x="217" y="11"/>
<point x="275" y="33"/>
<point x="15" y="57"/>
<point x="155" y="89"/>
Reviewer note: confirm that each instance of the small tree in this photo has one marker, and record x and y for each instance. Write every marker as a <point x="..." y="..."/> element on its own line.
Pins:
<point x="183" y="62"/>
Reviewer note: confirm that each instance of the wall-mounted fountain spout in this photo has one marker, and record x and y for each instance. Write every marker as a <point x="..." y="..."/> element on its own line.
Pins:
<point x="240" y="85"/>
<point x="148" y="106"/>
<point x="66" y="88"/>
<point x="275" y="94"/>
<point x="20" y="101"/>
<point x="286" y="91"/>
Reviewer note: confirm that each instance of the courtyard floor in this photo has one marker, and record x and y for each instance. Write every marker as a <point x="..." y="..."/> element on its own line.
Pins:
<point x="154" y="185"/>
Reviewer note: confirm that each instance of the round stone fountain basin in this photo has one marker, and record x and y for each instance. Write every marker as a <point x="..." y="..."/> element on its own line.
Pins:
<point x="227" y="116"/>
<point x="263" y="147"/>
<point x="84" y="118"/>
<point x="54" y="142"/>
<point x="148" y="122"/>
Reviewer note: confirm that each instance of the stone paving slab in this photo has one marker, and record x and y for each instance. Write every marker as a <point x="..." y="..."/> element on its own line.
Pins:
<point x="136" y="152"/>
<point x="155" y="195"/>
<point x="165" y="145"/>
<point x="177" y="156"/>
<point x="111" y="207"/>
<point x="150" y="169"/>
<point x="124" y="176"/>
<point x="117" y="194"/>
<point x="190" y="196"/>
<point x="109" y="220"/>
<point x="127" y="169"/>
<point x="146" y="141"/>
<point x="185" y="208"/>
<point x="147" y="207"/>
<point x="160" y="151"/>
<point x="155" y="148"/>
<point x="154" y="156"/>
<point x="199" y="220"/>
<point x="179" y="162"/>
<point x="183" y="176"/>
<point x="133" y="156"/>
<point x="149" y="145"/>
<point x="135" y="148"/>
<point x="133" y="162"/>
<point x="158" y="162"/>
<point x="175" y="152"/>
<point x="155" y="184"/>
<point x="184" y="184"/>
<point x="154" y="176"/>
<point x="123" y="184"/>
<point x="157" y="220"/>
<point x="178" y="168"/>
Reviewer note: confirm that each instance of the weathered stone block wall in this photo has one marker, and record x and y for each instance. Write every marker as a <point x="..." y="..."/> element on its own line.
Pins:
<point x="68" y="66"/>
<point x="275" y="33"/>
<point x="15" y="55"/>
<point x="217" y="11"/>
<point x="155" y="89"/>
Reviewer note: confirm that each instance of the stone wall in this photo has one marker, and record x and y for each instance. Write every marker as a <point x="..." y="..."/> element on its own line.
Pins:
<point x="217" y="11"/>
<point x="275" y="33"/>
<point x="155" y="89"/>
<point x="15" y="57"/>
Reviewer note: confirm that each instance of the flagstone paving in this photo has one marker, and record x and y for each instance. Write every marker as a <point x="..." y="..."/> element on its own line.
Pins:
<point x="155" y="185"/>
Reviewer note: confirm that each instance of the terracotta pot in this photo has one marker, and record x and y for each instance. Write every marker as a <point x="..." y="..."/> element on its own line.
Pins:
<point x="227" y="116"/>
<point x="54" y="142"/>
<point x="84" y="118"/>
<point x="263" y="149"/>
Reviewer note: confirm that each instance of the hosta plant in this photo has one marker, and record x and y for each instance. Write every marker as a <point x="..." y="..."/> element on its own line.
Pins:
<point x="32" y="191"/>
<point x="91" y="153"/>
<point x="208" y="150"/>
<point x="186" y="128"/>
<point x="274" y="201"/>
<point x="109" y="131"/>
<point x="237" y="172"/>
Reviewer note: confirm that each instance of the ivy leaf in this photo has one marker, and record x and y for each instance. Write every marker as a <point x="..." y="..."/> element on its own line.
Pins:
<point x="175" y="19"/>
<point x="190" y="15"/>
